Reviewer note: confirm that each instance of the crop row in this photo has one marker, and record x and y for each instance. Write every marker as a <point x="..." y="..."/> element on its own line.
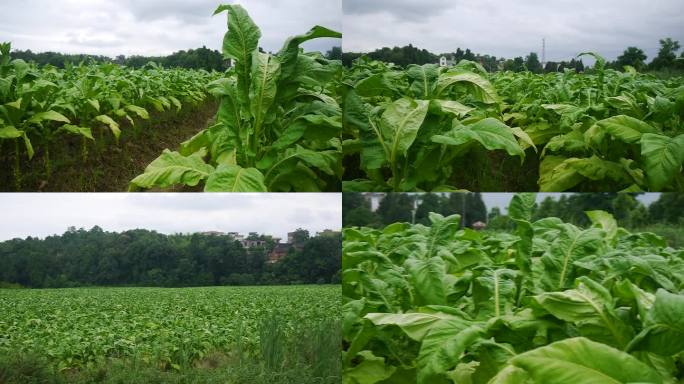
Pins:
<point x="414" y="128"/>
<point x="37" y="105"/>
<point x="165" y="327"/>
<point x="549" y="303"/>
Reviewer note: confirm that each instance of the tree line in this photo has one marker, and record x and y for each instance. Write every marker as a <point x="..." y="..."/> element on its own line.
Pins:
<point x="411" y="207"/>
<point x="408" y="207"/>
<point x="634" y="57"/>
<point x="142" y="257"/>
<point x="200" y="58"/>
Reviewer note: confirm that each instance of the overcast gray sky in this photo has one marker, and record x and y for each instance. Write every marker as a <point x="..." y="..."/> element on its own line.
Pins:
<point x="31" y="214"/>
<point x="513" y="28"/>
<point x="155" y="27"/>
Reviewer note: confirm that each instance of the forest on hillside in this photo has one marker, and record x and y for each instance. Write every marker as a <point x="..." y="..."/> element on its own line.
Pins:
<point x="138" y="257"/>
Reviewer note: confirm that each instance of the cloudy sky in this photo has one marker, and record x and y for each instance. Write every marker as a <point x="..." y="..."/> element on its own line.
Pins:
<point x="155" y="27"/>
<point x="27" y="214"/>
<point x="513" y="28"/>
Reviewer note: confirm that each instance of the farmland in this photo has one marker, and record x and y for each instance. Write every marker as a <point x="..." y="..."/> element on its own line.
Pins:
<point x="276" y="127"/>
<point x="547" y="302"/>
<point x="430" y="128"/>
<point x="60" y="122"/>
<point x="278" y="124"/>
<point x="281" y="330"/>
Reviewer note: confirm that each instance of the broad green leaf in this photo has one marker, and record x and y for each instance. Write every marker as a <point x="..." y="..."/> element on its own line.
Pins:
<point x="524" y="137"/>
<point x="76" y="130"/>
<point x="172" y="168"/>
<point x="663" y="157"/>
<point x="570" y="245"/>
<point x="370" y="371"/>
<point x="582" y="361"/>
<point x="605" y="221"/>
<point x="494" y="292"/>
<point x="450" y="106"/>
<point x="374" y="150"/>
<point x="400" y="124"/>
<point x="664" y="326"/>
<point x="479" y="86"/>
<point x="49" y="115"/>
<point x="422" y="79"/>
<point x="113" y="125"/>
<point x="522" y="206"/>
<point x="624" y="128"/>
<point x="426" y="276"/>
<point x="442" y="348"/>
<point x="233" y="178"/>
<point x="239" y="42"/>
<point x="490" y="132"/>
<point x="590" y="308"/>
<point x="142" y="112"/>
<point x="416" y="325"/>
<point x="290" y="50"/>
<point x="263" y="89"/>
<point x="9" y="132"/>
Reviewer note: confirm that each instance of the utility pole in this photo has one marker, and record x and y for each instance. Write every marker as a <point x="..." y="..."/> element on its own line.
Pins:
<point x="543" y="61"/>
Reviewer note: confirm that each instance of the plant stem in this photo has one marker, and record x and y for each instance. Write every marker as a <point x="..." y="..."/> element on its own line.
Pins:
<point x="17" y="170"/>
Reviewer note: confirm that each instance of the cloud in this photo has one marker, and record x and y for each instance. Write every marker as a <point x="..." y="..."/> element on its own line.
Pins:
<point x="401" y="9"/>
<point x="40" y="215"/>
<point x="155" y="27"/>
<point x="513" y="28"/>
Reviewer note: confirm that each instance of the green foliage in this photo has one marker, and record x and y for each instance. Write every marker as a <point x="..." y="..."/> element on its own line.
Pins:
<point x="200" y="335"/>
<point x="549" y="303"/>
<point x="141" y="257"/>
<point x="39" y="104"/>
<point x="278" y="124"/>
<point x="406" y="129"/>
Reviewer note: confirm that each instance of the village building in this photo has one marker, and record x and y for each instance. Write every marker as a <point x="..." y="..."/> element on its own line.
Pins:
<point x="446" y="61"/>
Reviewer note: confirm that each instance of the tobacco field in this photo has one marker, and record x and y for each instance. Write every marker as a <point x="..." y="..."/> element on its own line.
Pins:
<point x="91" y="102"/>
<point x="430" y="128"/>
<point x="278" y="125"/>
<point x="548" y="303"/>
<point x="172" y="329"/>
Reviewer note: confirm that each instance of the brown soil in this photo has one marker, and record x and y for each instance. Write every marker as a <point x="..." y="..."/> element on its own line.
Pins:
<point x="109" y="166"/>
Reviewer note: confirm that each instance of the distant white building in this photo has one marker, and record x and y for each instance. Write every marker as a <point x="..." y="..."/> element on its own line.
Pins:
<point x="446" y="61"/>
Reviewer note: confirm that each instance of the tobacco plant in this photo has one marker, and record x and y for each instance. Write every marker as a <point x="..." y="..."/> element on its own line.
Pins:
<point x="404" y="129"/>
<point x="278" y="124"/>
<point x="37" y="105"/>
<point x="550" y="303"/>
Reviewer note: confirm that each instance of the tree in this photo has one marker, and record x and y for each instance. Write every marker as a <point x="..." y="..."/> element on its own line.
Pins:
<point x="356" y="211"/>
<point x="335" y="53"/>
<point x="396" y="207"/>
<point x="666" y="55"/>
<point x="632" y="56"/>
<point x="515" y="65"/>
<point x="430" y="203"/>
<point x="551" y="66"/>
<point x="142" y="257"/>
<point x="475" y="209"/>
<point x="669" y="208"/>
<point x="532" y="63"/>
